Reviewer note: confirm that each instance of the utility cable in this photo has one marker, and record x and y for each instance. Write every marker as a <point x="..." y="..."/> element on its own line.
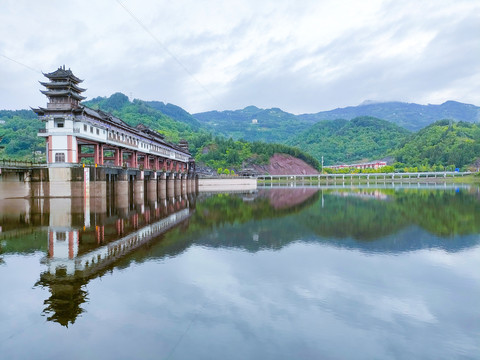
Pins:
<point x="20" y="63"/>
<point x="172" y="55"/>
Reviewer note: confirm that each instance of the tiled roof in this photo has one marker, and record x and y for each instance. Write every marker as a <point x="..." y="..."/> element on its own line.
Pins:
<point x="61" y="73"/>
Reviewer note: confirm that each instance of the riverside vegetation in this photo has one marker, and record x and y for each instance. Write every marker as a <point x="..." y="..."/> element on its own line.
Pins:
<point x="232" y="140"/>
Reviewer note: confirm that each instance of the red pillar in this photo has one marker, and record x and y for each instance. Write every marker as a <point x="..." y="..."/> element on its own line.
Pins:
<point x="79" y="153"/>
<point x="49" y="150"/>
<point x="69" y="149"/>
<point x="146" y="162"/>
<point x="100" y="155"/>
<point x="134" y="159"/>
<point x="96" y="153"/>
<point x="77" y="158"/>
<point x="118" y="157"/>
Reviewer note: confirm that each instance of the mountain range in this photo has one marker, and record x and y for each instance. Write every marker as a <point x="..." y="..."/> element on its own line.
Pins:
<point x="273" y="125"/>
<point x="411" y="133"/>
<point x="371" y="130"/>
<point x="407" y="115"/>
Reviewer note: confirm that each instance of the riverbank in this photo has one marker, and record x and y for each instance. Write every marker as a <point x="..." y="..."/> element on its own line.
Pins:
<point x="469" y="179"/>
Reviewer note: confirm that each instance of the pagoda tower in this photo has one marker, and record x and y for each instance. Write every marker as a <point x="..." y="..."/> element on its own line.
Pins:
<point x="62" y="111"/>
<point x="75" y="133"/>
<point x="62" y="91"/>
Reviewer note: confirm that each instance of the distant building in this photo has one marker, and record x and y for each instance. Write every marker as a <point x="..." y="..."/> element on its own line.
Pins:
<point x="254" y="121"/>
<point x="248" y="172"/>
<point x="367" y="165"/>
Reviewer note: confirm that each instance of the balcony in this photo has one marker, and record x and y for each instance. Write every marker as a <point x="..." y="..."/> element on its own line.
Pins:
<point x="125" y="142"/>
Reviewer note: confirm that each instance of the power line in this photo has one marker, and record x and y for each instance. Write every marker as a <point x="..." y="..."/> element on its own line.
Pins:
<point x="20" y="63"/>
<point x="172" y="55"/>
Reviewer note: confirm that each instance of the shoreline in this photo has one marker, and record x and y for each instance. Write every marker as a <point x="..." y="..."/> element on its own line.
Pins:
<point x="467" y="179"/>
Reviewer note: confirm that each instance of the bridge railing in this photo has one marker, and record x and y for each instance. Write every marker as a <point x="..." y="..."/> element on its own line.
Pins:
<point x="318" y="177"/>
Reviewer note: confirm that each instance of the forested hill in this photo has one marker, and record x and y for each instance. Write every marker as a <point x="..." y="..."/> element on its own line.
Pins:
<point x="175" y="123"/>
<point x="254" y="124"/>
<point x="275" y="125"/>
<point x="410" y="116"/>
<point x="338" y="141"/>
<point x="175" y="112"/>
<point x="140" y="112"/>
<point x="442" y="143"/>
<point x="18" y="133"/>
<point x="347" y="141"/>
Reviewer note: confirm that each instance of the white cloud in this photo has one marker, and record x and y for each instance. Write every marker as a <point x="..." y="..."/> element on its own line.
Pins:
<point x="301" y="57"/>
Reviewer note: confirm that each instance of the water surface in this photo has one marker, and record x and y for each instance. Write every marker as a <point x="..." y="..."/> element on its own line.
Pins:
<point x="303" y="273"/>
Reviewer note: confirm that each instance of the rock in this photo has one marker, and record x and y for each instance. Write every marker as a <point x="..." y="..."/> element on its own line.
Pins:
<point x="282" y="164"/>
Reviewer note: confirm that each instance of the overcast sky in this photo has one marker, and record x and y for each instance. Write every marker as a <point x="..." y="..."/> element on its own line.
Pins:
<point x="302" y="56"/>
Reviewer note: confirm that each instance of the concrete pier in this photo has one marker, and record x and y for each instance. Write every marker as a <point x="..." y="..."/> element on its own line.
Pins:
<point x="152" y="189"/>
<point x="178" y="184"/>
<point x="139" y="191"/>
<point x="93" y="181"/>
<point x="171" y="185"/>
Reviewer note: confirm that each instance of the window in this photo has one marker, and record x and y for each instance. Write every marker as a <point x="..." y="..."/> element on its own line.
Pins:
<point x="59" y="157"/>
<point x="98" y="132"/>
<point x="61" y="236"/>
<point x="59" y="122"/>
<point x="84" y="127"/>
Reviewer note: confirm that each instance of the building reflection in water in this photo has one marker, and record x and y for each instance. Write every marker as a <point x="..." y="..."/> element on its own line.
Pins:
<point x="83" y="239"/>
<point x="88" y="238"/>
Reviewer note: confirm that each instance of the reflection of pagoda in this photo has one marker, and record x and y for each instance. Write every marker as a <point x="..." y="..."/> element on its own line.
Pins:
<point x="79" y="254"/>
<point x="67" y="296"/>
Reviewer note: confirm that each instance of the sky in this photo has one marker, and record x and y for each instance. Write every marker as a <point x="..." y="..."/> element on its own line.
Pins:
<point x="301" y="56"/>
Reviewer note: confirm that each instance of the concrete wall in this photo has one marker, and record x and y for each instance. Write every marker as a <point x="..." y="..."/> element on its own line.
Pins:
<point x="227" y="184"/>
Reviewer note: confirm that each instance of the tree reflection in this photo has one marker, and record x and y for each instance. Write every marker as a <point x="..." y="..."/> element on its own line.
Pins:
<point x="382" y="220"/>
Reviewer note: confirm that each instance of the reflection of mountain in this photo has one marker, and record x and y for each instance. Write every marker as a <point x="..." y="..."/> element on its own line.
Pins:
<point x="443" y="213"/>
<point x="410" y="220"/>
<point x="84" y="245"/>
<point x="235" y="209"/>
<point x="281" y="199"/>
<point x="22" y="219"/>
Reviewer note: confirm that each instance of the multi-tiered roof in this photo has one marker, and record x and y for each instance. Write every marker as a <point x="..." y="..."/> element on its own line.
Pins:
<point x="63" y="84"/>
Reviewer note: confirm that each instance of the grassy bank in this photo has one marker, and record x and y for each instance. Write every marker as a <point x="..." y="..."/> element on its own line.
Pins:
<point x="468" y="179"/>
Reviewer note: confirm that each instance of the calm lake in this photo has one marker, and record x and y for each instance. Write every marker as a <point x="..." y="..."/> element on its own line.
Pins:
<point x="279" y="273"/>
